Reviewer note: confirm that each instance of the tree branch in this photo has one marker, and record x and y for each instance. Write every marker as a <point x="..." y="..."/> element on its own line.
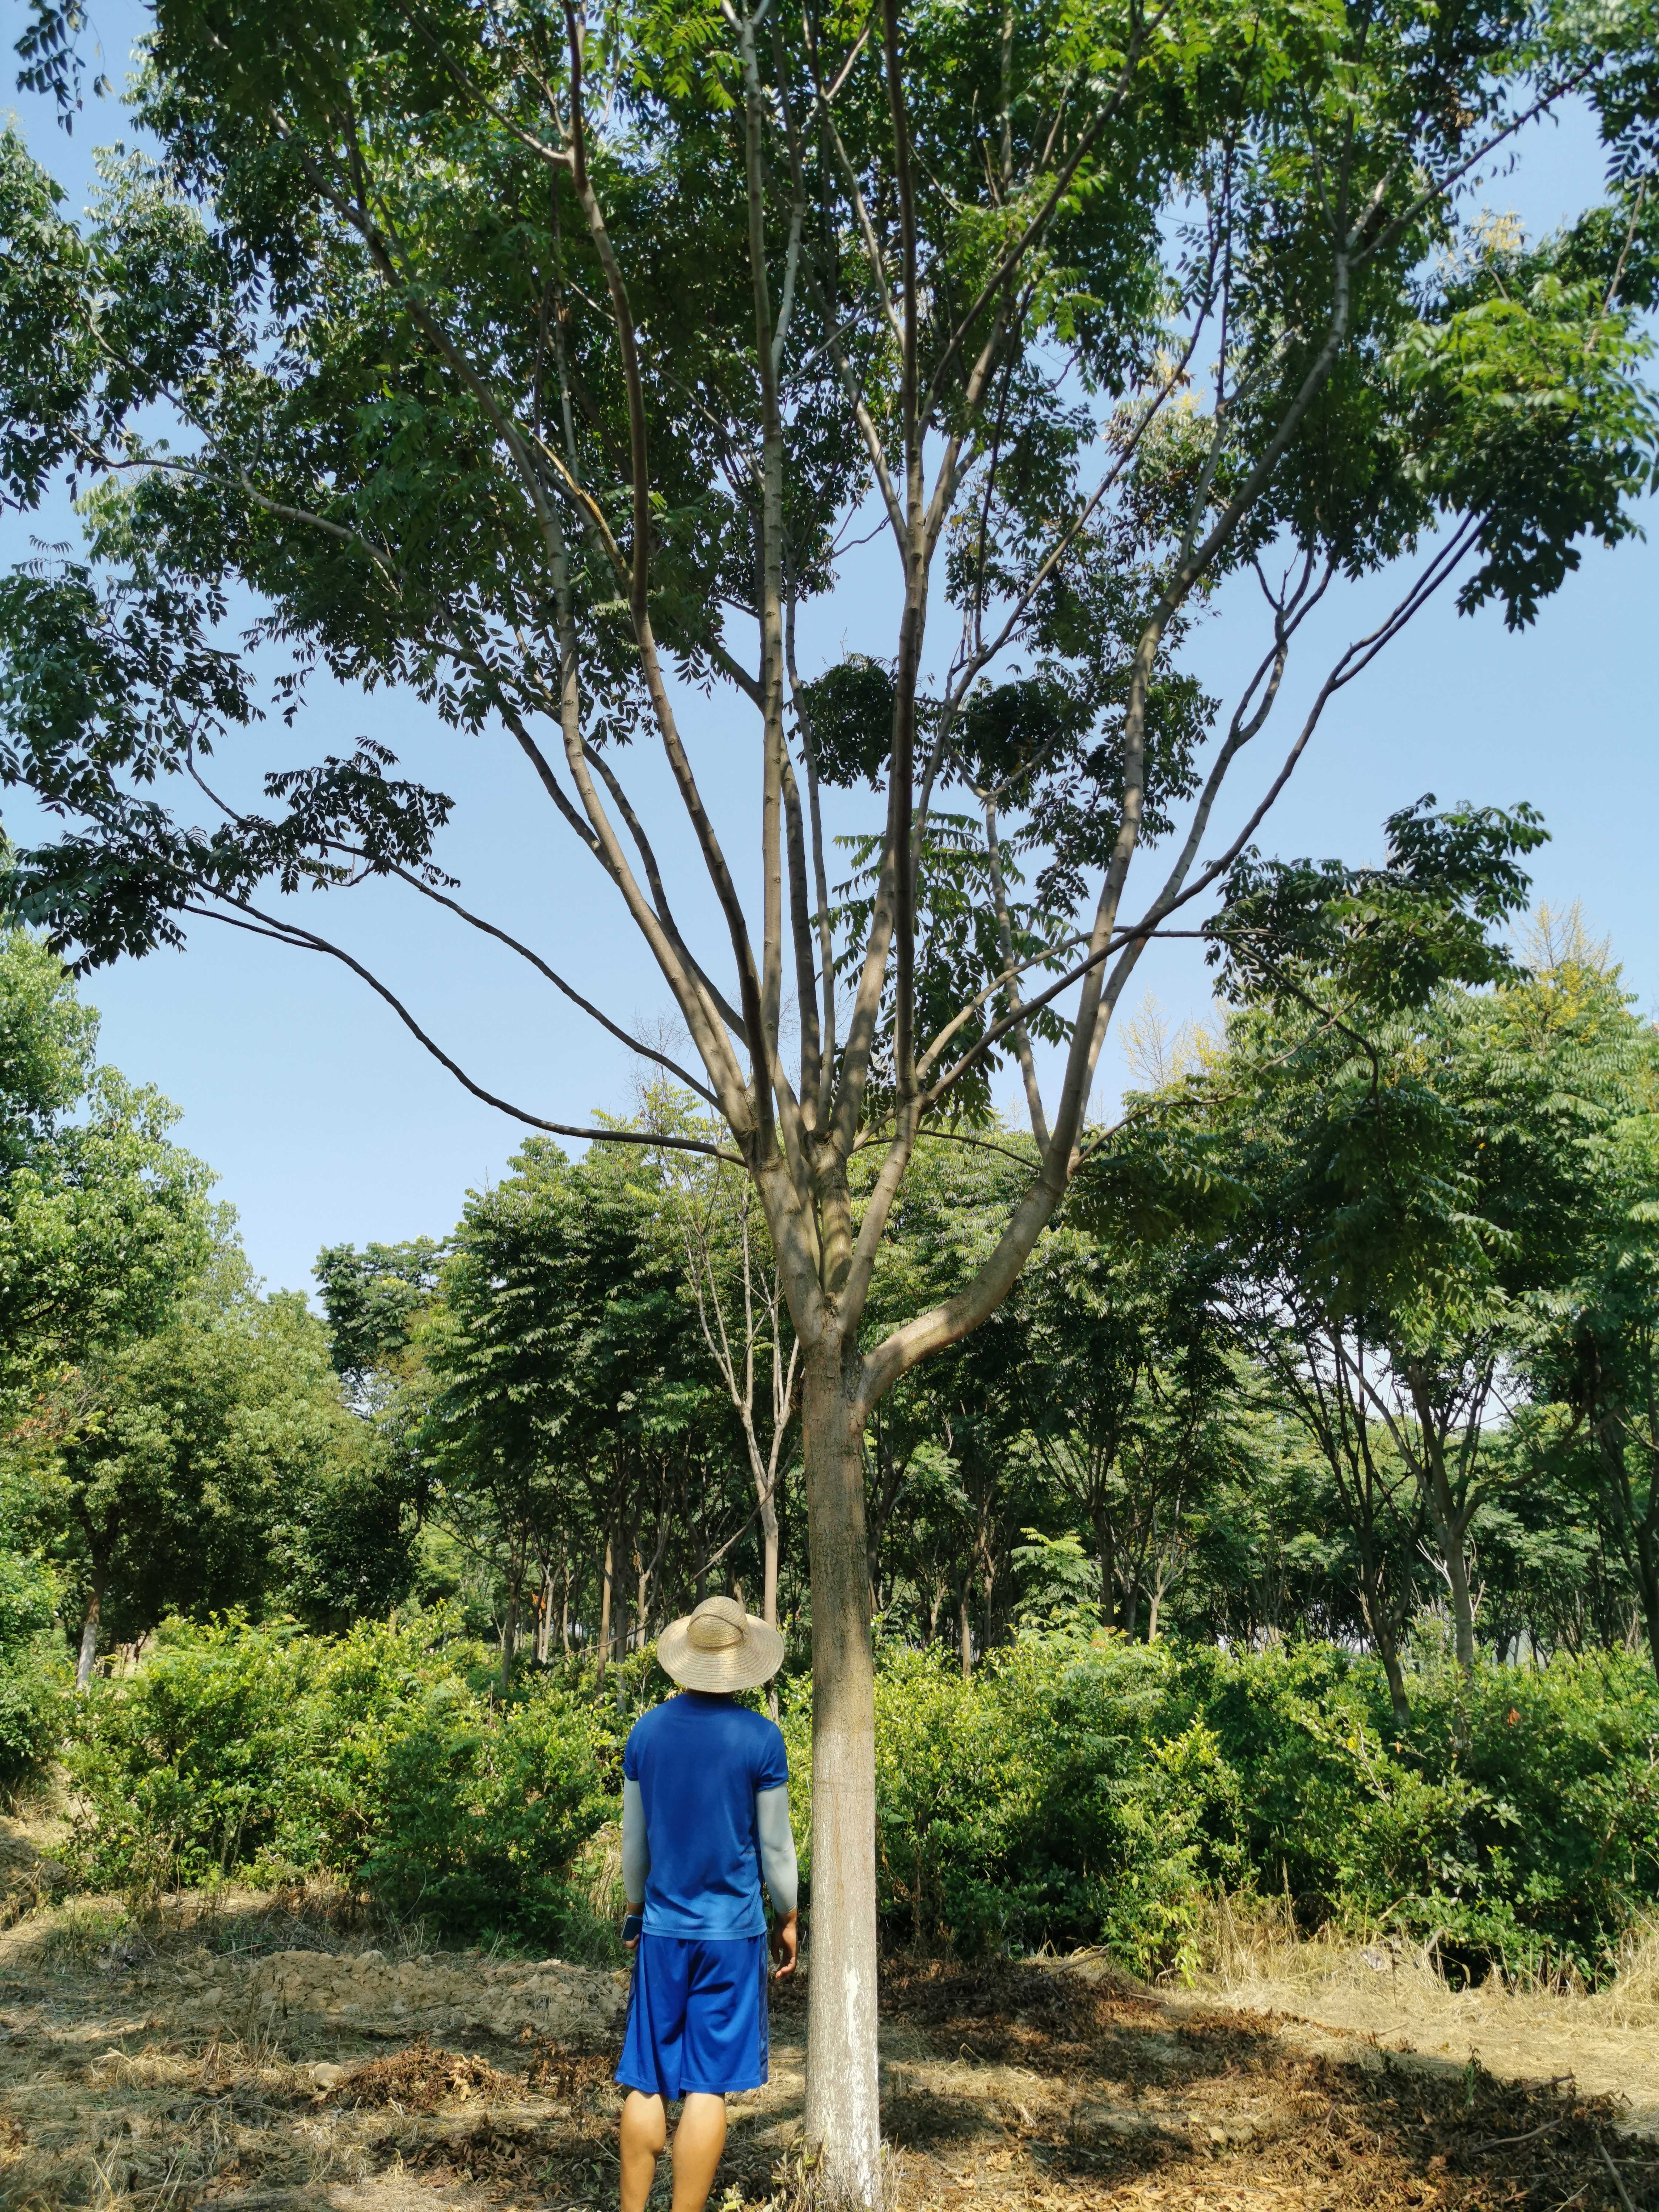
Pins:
<point x="281" y="932"/>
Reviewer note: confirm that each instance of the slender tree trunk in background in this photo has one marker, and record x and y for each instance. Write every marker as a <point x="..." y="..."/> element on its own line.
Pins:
<point x="964" y="1634"/>
<point x="604" y="1610"/>
<point x="843" y="2112"/>
<point x="622" y="1550"/>
<point x="88" y="1654"/>
<point x="1452" y="1525"/>
<point x="1380" y="1627"/>
<point x="768" y="1521"/>
<point x="732" y="1350"/>
<point x="1389" y="1652"/>
<point x="564" y="1608"/>
<point x="1639" y="1532"/>
<point x="1106" y="1555"/>
<point x="1450" y="1519"/>
<point x="510" y="1626"/>
<point x="1462" y="1604"/>
<point x="769" y="1580"/>
<point x="544" y="1616"/>
<point x="650" y="1580"/>
<point x="1647" y="1562"/>
<point x="1384" y="1630"/>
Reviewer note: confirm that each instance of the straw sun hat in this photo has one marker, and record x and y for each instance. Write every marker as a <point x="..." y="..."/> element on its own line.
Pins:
<point x="720" y="1647"/>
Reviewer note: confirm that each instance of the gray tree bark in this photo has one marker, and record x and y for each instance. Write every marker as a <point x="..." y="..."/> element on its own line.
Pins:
<point x="843" y="2108"/>
<point x="88" y="1658"/>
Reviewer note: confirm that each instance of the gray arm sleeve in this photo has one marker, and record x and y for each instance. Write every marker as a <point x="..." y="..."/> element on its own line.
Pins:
<point x="635" y="1851"/>
<point x="777" y="1849"/>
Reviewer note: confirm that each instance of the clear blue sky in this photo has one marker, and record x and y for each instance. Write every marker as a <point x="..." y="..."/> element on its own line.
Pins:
<point x="326" y="1121"/>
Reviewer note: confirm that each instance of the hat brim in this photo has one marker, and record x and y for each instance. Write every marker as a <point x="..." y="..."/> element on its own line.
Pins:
<point x="743" y="1666"/>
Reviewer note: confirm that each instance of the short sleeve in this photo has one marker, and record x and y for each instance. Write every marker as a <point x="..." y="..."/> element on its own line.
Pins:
<point x="772" y="1767"/>
<point x="631" y="1755"/>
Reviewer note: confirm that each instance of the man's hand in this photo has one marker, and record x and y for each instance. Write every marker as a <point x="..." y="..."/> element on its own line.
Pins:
<point x="633" y="1913"/>
<point x="786" y="1942"/>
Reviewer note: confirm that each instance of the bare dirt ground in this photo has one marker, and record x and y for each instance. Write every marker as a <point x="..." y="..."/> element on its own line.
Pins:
<point x="256" y="2052"/>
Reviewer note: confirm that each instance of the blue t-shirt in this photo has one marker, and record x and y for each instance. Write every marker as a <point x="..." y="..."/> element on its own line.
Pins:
<point x="699" y="1761"/>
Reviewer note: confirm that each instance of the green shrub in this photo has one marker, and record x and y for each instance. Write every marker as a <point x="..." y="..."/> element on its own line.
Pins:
<point x="28" y="1602"/>
<point x="1063" y="1797"/>
<point x="380" y="1758"/>
<point x="184" y="1768"/>
<point x="1082" y="1789"/>
<point x="482" y="1814"/>
<point x="1085" y="1789"/>
<point x="35" y="1683"/>
<point x="34" y="1673"/>
<point x="1517" y="1818"/>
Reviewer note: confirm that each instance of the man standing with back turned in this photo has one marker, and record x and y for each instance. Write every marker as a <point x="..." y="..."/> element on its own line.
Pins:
<point x="705" y="1821"/>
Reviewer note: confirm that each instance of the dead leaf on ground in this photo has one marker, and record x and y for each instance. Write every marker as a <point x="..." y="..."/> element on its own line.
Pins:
<point x="420" y="2078"/>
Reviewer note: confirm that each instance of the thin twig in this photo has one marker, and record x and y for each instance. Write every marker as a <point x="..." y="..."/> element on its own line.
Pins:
<point x="1618" y="2178"/>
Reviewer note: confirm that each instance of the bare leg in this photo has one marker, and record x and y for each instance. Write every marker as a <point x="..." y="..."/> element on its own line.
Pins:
<point x="698" y="2142"/>
<point x="644" y="2131"/>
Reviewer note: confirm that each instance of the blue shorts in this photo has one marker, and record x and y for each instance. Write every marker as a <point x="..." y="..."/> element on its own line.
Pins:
<point x="696" y="2017"/>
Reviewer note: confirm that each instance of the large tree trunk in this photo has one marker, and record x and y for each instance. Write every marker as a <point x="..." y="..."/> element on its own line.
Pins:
<point x="843" y="2114"/>
<point x="88" y="1656"/>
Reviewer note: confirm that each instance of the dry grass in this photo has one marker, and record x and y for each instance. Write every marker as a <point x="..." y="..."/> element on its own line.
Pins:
<point x="30" y="1875"/>
<point x="134" y="2077"/>
<point x="1250" y="1941"/>
<point x="1606" y="2039"/>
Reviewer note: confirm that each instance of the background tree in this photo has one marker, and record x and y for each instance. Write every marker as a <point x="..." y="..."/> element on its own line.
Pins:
<point x="373" y="1300"/>
<point x="1269" y="1563"/>
<point x="714" y="1217"/>
<point x="1591" y="1362"/>
<point x="1124" y="1390"/>
<point x="1418" y="1157"/>
<point x="572" y="1402"/>
<point x="197" y="1468"/>
<point x="103" y="1220"/>
<point x="1295" y="1311"/>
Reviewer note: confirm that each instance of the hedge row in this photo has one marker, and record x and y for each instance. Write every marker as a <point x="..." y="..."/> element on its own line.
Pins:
<point x="1080" y="1790"/>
